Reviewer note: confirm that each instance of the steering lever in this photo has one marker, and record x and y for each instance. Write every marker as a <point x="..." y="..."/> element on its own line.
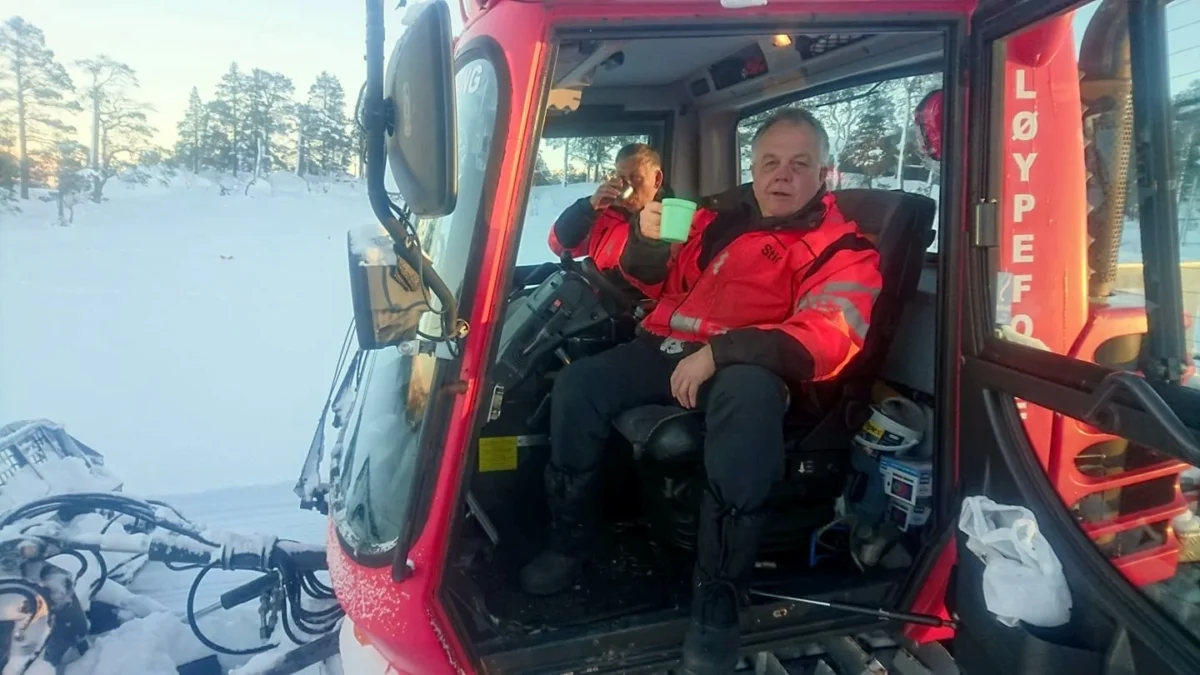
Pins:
<point x="905" y="617"/>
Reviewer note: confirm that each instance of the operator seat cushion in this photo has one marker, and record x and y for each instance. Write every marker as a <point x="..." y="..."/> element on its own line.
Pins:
<point x="900" y="225"/>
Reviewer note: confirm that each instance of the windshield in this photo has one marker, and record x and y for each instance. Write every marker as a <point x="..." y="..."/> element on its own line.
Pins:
<point x="378" y="469"/>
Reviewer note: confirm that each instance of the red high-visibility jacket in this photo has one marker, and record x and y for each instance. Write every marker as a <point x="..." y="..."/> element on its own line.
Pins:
<point x="792" y="294"/>
<point x="600" y="235"/>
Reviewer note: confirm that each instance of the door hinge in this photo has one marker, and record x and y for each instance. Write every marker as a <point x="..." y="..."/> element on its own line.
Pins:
<point x="986" y="225"/>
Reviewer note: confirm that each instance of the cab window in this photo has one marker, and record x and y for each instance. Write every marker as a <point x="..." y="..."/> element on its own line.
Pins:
<point x="1072" y="272"/>
<point x="378" y="470"/>
<point x="872" y="139"/>
<point x="568" y="168"/>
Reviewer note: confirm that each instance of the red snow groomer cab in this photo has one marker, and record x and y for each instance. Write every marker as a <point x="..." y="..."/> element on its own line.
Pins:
<point x="1020" y="169"/>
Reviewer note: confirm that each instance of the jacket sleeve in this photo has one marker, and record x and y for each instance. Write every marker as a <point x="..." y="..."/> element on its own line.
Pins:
<point x="645" y="260"/>
<point x="573" y="228"/>
<point x="833" y="306"/>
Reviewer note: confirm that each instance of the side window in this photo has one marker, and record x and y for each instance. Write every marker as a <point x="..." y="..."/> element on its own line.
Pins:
<point x="568" y="169"/>
<point x="1070" y="267"/>
<point x="872" y="139"/>
<point x="1071" y="244"/>
<point x="1183" y="49"/>
<point x="377" y="471"/>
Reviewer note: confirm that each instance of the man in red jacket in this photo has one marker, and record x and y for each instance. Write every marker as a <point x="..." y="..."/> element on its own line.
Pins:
<point x="772" y="291"/>
<point x="598" y="226"/>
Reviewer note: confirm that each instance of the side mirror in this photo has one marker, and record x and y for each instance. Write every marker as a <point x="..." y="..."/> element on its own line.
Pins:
<point x="387" y="293"/>
<point x="419" y="112"/>
<point x="928" y="118"/>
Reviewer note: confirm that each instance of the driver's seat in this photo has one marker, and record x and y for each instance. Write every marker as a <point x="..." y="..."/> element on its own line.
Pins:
<point x="668" y="440"/>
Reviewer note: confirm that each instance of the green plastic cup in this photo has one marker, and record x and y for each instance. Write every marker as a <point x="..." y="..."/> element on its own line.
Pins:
<point x="677" y="219"/>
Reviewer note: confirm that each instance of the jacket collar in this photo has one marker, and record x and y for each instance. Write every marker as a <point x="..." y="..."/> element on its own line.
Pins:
<point x="740" y="200"/>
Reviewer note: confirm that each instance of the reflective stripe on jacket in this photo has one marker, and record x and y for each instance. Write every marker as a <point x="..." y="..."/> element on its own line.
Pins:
<point x="792" y="294"/>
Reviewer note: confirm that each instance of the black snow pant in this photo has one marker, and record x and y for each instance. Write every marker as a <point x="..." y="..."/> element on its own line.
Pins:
<point x="743" y="406"/>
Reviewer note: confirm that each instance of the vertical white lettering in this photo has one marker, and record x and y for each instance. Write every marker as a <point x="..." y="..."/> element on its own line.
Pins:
<point x="1021" y="284"/>
<point x="1024" y="163"/>
<point x="1023" y="408"/>
<point x="1022" y="324"/>
<point x="1024" y="126"/>
<point x="1022" y="248"/>
<point x="1022" y="203"/>
<point x="1023" y="90"/>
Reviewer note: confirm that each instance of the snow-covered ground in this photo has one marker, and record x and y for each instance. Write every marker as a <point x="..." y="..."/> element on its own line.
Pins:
<point x="189" y="337"/>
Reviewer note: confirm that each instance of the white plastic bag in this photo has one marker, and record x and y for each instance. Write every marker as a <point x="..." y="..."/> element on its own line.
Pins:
<point x="1022" y="578"/>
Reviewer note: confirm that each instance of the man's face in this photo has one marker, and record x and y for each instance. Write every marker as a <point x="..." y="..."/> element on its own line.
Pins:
<point x="645" y="179"/>
<point x="787" y="168"/>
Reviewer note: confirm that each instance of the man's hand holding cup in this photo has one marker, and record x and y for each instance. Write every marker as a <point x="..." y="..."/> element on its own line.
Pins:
<point x="607" y="194"/>
<point x="669" y="220"/>
<point x="650" y="221"/>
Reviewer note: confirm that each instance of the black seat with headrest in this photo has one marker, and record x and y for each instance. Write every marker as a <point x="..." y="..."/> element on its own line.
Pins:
<point x="900" y="225"/>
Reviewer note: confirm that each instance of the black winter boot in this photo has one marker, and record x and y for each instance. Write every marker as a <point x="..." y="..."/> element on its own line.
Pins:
<point x="573" y="521"/>
<point x="726" y="548"/>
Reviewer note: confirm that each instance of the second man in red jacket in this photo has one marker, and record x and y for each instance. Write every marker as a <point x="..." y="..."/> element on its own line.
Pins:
<point x="599" y="226"/>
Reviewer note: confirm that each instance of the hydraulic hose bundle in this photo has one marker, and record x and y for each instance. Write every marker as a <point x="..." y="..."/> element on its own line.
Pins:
<point x="37" y="531"/>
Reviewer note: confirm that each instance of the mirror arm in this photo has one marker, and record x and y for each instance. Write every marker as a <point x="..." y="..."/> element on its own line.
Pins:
<point x="373" y="120"/>
<point x="375" y="109"/>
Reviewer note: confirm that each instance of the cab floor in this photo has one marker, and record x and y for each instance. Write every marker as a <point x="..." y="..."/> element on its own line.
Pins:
<point x="631" y="580"/>
<point x="629" y="575"/>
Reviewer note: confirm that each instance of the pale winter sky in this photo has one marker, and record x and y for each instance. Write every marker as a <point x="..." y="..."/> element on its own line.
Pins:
<point x="176" y="44"/>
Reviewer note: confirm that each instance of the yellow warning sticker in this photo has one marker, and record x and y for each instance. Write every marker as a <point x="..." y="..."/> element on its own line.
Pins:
<point x="872" y="430"/>
<point x="498" y="453"/>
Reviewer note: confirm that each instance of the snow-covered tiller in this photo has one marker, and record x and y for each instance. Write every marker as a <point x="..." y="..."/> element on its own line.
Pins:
<point x="53" y="608"/>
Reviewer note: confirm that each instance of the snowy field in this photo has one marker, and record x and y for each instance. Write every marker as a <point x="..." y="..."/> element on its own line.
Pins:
<point x="188" y="337"/>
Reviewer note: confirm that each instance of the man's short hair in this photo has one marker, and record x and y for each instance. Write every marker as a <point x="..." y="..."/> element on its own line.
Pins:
<point x="641" y="151"/>
<point x="797" y="117"/>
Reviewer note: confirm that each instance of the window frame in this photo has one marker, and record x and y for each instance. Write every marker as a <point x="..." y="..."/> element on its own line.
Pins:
<point x="658" y="126"/>
<point x="446" y="371"/>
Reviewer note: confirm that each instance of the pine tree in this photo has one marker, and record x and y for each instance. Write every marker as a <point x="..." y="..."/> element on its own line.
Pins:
<point x="9" y="167"/>
<point x="541" y="173"/>
<point x="271" y="114"/>
<point x="230" y="120"/>
<point x="304" y="139"/>
<point x="120" y="128"/>
<point x="103" y="78"/>
<point x="70" y="182"/>
<point x="839" y="112"/>
<point x="328" y="132"/>
<point x="38" y="86"/>
<point x="191" y="147"/>
<point x="871" y="149"/>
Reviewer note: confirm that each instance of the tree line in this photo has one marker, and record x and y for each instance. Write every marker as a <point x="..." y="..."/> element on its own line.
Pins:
<point x="253" y="124"/>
